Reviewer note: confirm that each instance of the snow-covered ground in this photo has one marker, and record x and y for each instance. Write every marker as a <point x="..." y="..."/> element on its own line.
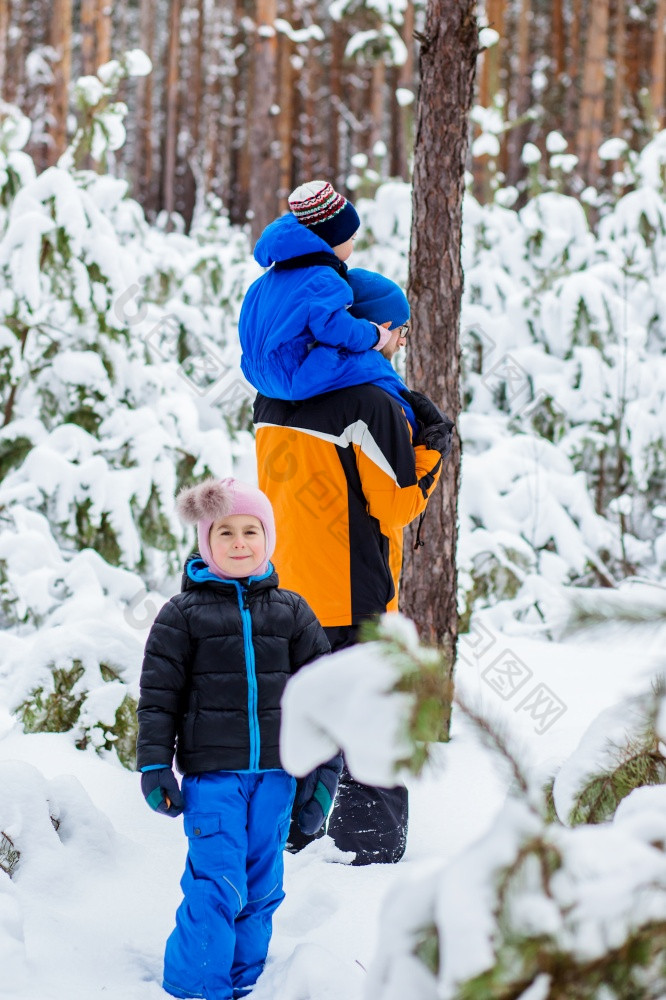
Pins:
<point x="90" y="905"/>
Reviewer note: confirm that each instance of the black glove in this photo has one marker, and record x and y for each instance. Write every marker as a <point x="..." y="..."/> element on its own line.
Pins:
<point x="315" y="793"/>
<point x="435" y="428"/>
<point x="159" y="785"/>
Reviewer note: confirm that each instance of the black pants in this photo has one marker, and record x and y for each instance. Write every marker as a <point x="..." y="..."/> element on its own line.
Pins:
<point x="370" y="821"/>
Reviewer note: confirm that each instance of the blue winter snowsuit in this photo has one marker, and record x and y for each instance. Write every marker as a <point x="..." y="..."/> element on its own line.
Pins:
<point x="216" y="663"/>
<point x="297" y="336"/>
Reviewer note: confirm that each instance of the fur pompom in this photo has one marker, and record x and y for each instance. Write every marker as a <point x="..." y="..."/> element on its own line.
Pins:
<point x="208" y="501"/>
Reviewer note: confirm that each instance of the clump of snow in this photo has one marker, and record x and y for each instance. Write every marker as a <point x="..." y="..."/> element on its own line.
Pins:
<point x="346" y="701"/>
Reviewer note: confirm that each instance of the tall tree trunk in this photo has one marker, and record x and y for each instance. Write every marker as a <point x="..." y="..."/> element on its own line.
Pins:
<point x="523" y="90"/>
<point x="4" y="28"/>
<point x="13" y="75"/>
<point x="61" y="40"/>
<point x="658" y="88"/>
<point x="264" y="162"/>
<point x="103" y="43"/>
<point x="377" y="112"/>
<point x="335" y="96"/>
<point x="198" y="73"/>
<point x="144" y="154"/>
<point x="88" y="36"/>
<point x="558" y="40"/>
<point x="490" y="60"/>
<point x="402" y="116"/>
<point x="489" y="85"/>
<point x="309" y="124"/>
<point x="397" y="145"/>
<point x="239" y="169"/>
<point x="216" y="169"/>
<point x="447" y="66"/>
<point x="620" y="58"/>
<point x="169" y="171"/>
<point x="574" y="69"/>
<point x="590" y="126"/>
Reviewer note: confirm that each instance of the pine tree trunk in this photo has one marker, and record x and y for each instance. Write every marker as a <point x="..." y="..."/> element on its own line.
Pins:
<point x="238" y="198"/>
<point x="377" y="115"/>
<point x="620" y="58"/>
<point x="490" y="60"/>
<point x="197" y="88"/>
<point x="13" y="55"/>
<point x="216" y="169"/>
<point x="447" y="67"/>
<point x="264" y="163"/>
<point x="88" y="36"/>
<point x="103" y="26"/>
<point x="590" y="127"/>
<point x="173" y="57"/>
<point x="570" y="124"/>
<point x="406" y="80"/>
<point x="4" y="27"/>
<point x="558" y="39"/>
<point x="523" y="87"/>
<point x="144" y="178"/>
<point x="657" y="91"/>
<point x="335" y="98"/>
<point x="489" y="84"/>
<point x="397" y="144"/>
<point x="61" y="40"/>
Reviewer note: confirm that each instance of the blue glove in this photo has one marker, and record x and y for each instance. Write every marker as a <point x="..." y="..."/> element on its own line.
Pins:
<point x="160" y="787"/>
<point x="314" y="795"/>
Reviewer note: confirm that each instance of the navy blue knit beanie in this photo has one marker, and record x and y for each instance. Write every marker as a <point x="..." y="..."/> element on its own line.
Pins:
<point x="324" y="211"/>
<point x="377" y="298"/>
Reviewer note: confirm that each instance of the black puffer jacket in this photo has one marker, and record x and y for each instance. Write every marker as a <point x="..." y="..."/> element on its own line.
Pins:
<point x="216" y="662"/>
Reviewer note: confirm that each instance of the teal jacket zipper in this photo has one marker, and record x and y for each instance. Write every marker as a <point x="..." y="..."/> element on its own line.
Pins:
<point x="202" y="574"/>
<point x="252" y="691"/>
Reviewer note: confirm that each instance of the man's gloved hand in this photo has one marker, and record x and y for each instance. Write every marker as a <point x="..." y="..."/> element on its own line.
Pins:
<point x="315" y="793"/>
<point x="435" y="428"/>
<point x="161" y="792"/>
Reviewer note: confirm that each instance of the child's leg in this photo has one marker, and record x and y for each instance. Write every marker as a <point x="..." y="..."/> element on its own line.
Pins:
<point x="200" y="951"/>
<point x="267" y="827"/>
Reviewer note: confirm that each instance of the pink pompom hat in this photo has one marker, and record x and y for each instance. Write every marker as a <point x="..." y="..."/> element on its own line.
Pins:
<point x="215" y="498"/>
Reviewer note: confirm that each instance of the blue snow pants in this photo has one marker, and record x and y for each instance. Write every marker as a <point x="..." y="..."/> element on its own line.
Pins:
<point x="236" y="824"/>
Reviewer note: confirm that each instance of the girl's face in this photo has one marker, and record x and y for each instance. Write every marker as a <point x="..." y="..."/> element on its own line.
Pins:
<point x="237" y="544"/>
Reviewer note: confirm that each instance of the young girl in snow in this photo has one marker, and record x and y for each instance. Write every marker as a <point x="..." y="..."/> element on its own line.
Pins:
<point x="216" y="663"/>
<point x="303" y="301"/>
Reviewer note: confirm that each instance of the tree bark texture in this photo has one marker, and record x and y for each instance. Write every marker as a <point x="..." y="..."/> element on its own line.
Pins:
<point x="447" y="67"/>
<point x="590" y="129"/>
<point x="145" y="151"/>
<point x="173" y="58"/>
<point x="658" y="90"/>
<point x="523" y="89"/>
<point x="61" y="40"/>
<point x="4" y="27"/>
<point x="88" y="36"/>
<point x="262" y="125"/>
<point x="620" y="56"/>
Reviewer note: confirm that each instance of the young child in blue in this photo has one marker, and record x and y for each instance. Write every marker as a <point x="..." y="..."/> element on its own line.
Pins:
<point x="216" y="663"/>
<point x="300" y="327"/>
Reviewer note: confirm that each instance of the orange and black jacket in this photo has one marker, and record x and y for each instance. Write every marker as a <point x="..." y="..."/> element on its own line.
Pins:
<point x="344" y="480"/>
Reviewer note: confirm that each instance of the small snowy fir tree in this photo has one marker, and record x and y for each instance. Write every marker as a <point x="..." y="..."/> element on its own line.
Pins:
<point x="117" y="385"/>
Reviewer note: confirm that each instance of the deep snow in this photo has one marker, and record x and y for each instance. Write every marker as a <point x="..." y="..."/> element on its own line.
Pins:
<point x="94" y="901"/>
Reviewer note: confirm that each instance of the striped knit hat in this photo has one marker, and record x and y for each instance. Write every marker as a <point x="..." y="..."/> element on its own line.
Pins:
<point x="328" y="214"/>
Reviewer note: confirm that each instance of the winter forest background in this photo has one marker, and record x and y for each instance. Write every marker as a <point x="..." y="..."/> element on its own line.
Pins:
<point x="142" y="146"/>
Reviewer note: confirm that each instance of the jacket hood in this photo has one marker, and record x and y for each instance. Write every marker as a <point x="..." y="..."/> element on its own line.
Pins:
<point x="197" y="574"/>
<point x="284" y="238"/>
